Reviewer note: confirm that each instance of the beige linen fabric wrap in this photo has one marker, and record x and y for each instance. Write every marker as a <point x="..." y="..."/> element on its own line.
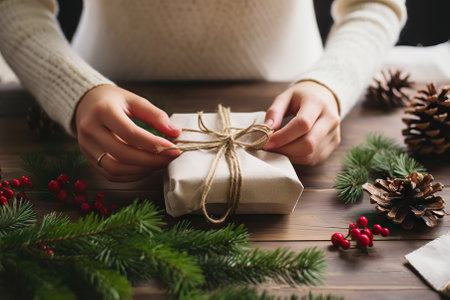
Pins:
<point x="269" y="185"/>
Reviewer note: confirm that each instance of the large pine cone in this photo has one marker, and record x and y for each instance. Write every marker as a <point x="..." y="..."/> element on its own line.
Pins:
<point x="429" y="131"/>
<point x="406" y="200"/>
<point x="389" y="93"/>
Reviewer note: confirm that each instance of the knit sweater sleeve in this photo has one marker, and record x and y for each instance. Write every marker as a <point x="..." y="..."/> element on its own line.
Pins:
<point x="362" y="34"/>
<point x="33" y="44"/>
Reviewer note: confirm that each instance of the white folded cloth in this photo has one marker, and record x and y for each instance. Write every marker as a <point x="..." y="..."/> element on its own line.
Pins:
<point x="432" y="261"/>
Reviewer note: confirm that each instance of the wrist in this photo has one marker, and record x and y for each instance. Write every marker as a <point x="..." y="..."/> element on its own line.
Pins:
<point x="330" y="91"/>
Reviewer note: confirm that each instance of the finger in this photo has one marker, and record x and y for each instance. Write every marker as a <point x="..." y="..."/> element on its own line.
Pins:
<point x="310" y="143"/>
<point x="276" y="112"/>
<point x="312" y="160"/>
<point x="112" y="165"/>
<point x="119" y="123"/>
<point x="301" y="124"/>
<point x="153" y="116"/>
<point x="123" y="152"/>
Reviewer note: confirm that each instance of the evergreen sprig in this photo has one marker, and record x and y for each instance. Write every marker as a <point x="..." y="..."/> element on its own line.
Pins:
<point x="96" y="258"/>
<point x="379" y="157"/>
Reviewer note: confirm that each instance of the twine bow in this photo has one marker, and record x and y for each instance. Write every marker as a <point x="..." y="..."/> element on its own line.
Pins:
<point x="226" y="141"/>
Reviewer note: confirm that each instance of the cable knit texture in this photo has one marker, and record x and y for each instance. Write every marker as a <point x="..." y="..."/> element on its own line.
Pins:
<point x="194" y="40"/>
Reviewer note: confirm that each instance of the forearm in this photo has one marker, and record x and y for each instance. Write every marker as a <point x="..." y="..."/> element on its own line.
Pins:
<point x="35" y="48"/>
<point x="362" y="34"/>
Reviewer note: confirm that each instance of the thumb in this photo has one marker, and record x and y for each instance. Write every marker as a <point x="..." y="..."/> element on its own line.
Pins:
<point x="153" y="116"/>
<point x="277" y="111"/>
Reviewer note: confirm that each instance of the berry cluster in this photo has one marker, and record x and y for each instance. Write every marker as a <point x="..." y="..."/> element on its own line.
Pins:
<point x="61" y="188"/>
<point x="8" y="188"/>
<point x="360" y="233"/>
<point x="46" y="250"/>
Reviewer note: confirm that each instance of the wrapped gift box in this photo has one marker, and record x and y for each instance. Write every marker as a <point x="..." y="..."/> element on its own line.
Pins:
<point x="269" y="182"/>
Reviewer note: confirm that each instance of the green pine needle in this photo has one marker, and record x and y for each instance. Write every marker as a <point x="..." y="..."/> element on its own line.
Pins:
<point x="16" y="216"/>
<point x="379" y="156"/>
<point x="254" y="267"/>
<point x="349" y="183"/>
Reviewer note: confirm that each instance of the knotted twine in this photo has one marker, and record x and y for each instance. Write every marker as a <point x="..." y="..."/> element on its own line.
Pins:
<point x="226" y="142"/>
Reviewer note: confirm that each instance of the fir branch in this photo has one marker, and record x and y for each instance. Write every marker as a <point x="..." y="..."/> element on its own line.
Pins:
<point x="253" y="267"/>
<point x="16" y="216"/>
<point x="379" y="156"/>
<point x="224" y="241"/>
<point x="93" y="282"/>
<point x="140" y="217"/>
<point x="349" y="183"/>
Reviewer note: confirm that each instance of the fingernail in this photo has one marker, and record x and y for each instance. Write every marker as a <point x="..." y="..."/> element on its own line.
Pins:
<point x="269" y="122"/>
<point x="170" y="151"/>
<point x="172" y="126"/>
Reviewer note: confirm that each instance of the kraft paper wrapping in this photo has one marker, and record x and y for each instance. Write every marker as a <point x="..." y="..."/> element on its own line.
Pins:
<point x="269" y="186"/>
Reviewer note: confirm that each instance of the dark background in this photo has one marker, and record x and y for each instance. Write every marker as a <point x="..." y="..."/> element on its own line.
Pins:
<point x="428" y="20"/>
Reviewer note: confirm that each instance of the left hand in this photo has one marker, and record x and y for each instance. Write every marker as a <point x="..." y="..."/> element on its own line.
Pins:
<point x="314" y="132"/>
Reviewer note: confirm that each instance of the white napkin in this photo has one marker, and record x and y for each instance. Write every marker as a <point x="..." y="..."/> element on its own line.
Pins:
<point x="432" y="261"/>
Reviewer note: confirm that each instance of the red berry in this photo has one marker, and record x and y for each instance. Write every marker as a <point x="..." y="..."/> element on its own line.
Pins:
<point x="62" y="195"/>
<point x="53" y="186"/>
<point x="376" y="229"/>
<point x="24" y="180"/>
<point x="355" y="233"/>
<point x="85" y="207"/>
<point x="50" y="252"/>
<point x="79" y="186"/>
<point x="337" y="238"/>
<point x="15" y="183"/>
<point x="78" y="199"/>
<point x="345" y="244"/>
<point x="363" y="241"/>
<point x="362" y="222"/>
<point x="98" y="204"/>
<point x="43" y="247"/>
<point x="352" y="226"/>
<point x="385" y="232"/>
<point x="21" y="196"/>
<point x="5" y="183"/>
<point x="30" y="185"/>
<point x="368" y="233"/>
<point x="8" y="193"/>
<point x="371" y="243"/>
<point x="114" y="207"/>
<point x="63" y="179"/>
<point x="3" y="200"/>
<point x="103" y="211"/>
<point x="100" y="196"/>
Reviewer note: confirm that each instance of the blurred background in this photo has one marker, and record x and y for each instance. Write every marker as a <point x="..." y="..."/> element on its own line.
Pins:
<point x="428" y="20"/>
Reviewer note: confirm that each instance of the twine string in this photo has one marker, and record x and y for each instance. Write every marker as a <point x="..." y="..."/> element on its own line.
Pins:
<point x="226" y="142"/>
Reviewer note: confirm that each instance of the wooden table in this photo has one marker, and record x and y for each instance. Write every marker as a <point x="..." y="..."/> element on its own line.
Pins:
<point x="379" y="273"/>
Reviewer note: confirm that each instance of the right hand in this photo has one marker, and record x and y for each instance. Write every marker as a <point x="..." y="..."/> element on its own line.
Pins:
<point x="104" y="123"/>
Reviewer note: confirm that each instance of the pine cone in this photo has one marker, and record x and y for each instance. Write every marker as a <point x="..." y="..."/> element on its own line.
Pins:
<point x="39" y="122"/>
<point x="406" y="200"/>
<point x="429" y="131"/>
<point x="388" y="93"/>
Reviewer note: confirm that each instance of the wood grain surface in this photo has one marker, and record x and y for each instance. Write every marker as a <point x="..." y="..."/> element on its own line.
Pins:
<point x="379" y="273"/>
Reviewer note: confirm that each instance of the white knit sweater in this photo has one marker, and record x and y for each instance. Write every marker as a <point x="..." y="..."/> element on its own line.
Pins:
<point x="194" y="39"/>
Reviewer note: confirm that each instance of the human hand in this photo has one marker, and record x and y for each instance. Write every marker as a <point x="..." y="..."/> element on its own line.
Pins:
<point x="104" y="124"/>
<point x="314" y="132"/>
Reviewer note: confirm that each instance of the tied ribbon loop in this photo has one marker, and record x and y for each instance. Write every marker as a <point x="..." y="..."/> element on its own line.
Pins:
<point x="226" y="142"/>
